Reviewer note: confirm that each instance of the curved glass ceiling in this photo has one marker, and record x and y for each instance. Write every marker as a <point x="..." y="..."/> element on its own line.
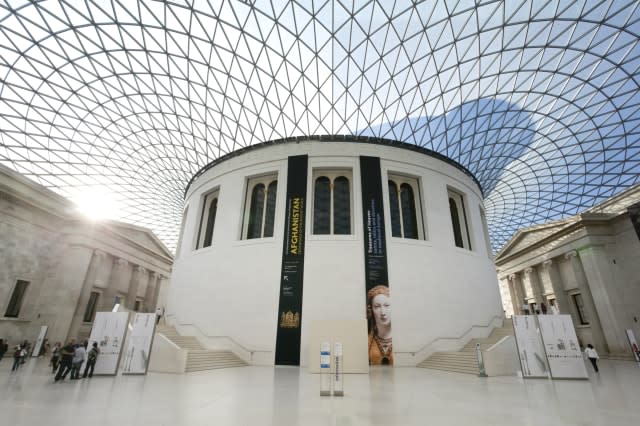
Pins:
<point x="124" y="101"/>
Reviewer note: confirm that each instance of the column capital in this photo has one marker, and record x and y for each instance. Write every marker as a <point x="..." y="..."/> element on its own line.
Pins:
<point x="121" y="262"/>
<point x="571" y="254"/>
<point x="547" y="263"/>
<point x="529" y="270"/>
<point x="512" y="277"/>
<point x="99" y="254"/>
<point x="140" y="269"/>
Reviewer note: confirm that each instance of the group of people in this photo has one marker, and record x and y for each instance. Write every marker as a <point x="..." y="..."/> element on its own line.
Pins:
<point x="70" y="357"/>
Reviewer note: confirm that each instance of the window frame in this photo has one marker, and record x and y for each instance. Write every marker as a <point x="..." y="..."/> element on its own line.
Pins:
<point x="414" y="182"/>
<point x="206" y="200"/>
<point x="251" y="182"/>
<point x="460" y="200"/>
<point x="94" y="309"/>
<point x="332" y="173"/>
<point x="16" y="300"/>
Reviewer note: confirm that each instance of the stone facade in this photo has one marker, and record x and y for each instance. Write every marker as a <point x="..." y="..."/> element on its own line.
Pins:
<point x="587" y="266"/>
<point x="63" y="258"/>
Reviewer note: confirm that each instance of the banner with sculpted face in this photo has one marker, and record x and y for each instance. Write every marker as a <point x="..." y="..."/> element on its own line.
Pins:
<point x="290" y="309"/>
<point x="375" y="258"/>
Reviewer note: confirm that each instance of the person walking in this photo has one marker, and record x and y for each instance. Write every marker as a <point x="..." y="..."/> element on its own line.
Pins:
<point x="592" y="355"/>
<point x="18" y="355"/>
<point x="55" y="356"/>
<point x="92" y="357"/>
<point x="66" y="360"/>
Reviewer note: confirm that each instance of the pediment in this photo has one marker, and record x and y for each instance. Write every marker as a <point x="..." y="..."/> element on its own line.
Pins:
<point x="529" y="236"/>
<point x="142" y="236"/>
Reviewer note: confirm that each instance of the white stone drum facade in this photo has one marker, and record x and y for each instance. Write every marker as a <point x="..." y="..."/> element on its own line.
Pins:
<point x="226" y="286"/>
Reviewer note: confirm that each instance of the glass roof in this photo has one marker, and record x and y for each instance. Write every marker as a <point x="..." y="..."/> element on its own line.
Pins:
<point x="125" y="101"/>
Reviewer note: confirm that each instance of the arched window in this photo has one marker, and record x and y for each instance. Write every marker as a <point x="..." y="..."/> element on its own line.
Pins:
<point x="461" y="234"/>
<point x="404" y="207"/>
<point x="332" y="202"/>
<point x="207" y="219"/>
<point x="261" y="200"/>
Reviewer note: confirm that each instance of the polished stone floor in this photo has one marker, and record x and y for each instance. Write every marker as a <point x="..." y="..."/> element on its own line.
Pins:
<point x="257" y="396"/>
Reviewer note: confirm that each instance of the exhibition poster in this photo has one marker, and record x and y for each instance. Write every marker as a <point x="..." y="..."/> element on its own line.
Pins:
<point x="136" y="356"/>
<point x="108" y="330"/>
<point x="562" y="348"/>
<point x="533" y="360"/>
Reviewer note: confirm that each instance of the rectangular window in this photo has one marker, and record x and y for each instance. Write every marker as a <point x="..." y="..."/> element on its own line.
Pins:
<point x="579" y="304"/>
<point x="137" y="305"/>
<point x="90" y="311"/>
<point x="15" y="303"/>
<point x="405" y="207"/>
<point x="332" y="202"/>
<point x="260" y="207"/>
<point x="459" y="221"/>
<point x="207" y="219"/>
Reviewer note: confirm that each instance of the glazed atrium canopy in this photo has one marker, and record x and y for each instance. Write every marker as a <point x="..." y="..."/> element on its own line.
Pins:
<point x="125" y="101"/>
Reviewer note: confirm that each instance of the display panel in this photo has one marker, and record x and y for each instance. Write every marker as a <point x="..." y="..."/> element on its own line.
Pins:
<point x="533" y="360"/>
<point x="136" y="357"/>
<point x="562" y="348"/>
<point x="108" y="330"/>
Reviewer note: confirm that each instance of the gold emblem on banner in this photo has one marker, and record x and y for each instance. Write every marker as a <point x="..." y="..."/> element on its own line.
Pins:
<point x="289" y="320"/>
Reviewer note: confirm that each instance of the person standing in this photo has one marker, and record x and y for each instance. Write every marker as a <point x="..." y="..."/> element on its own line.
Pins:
<point x="92" y="357"/>
<point x="18" y="355"/>
<point x="159" y="314"/>
<point x="78" y="359"/>
<point x="592" y="355"/>
<point x="55" y="356"/>
<point x="66" y="360"/>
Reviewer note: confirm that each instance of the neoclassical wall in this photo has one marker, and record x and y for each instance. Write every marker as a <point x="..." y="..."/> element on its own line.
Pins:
<point x="231" y="289"/>
<point x="64" y="257"/>
<point x="595" y="255"/>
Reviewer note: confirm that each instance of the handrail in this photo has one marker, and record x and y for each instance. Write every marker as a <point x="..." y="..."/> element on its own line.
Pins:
<point x="450" y="338"/>
<point x="251" y="351"/>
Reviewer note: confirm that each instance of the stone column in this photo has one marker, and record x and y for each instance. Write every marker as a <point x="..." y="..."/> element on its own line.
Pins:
<point x="518" y="292"/>
<point x="110" y="292"/>
<point x="150" y="292"/>
<point x="97" y="263"/>
<point x="533" y="287"/>
<point x="606" y="301"/>
<point x="139" y="273"/>
<point x="552" y="276"/>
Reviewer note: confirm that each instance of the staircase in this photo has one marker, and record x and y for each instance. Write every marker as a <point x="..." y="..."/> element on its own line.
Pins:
<point x="465" y="361"/>
<point x="199" y="358"/>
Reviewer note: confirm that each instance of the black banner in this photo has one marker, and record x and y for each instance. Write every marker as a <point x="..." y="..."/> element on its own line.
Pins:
<point x="290" y="309"/>
<point x="634" y="215"/>
<point x="375" y="258"/>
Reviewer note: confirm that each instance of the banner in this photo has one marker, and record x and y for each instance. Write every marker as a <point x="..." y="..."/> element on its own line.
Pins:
<point x="108" y="330"/>
<point x="136" y="357"/>
<point x="375" y="264"/>
<point x="562" y="348"/>
<point x="290" y="308"/>
<point x="533" y="360"/>
<point x="634" y="215"/>
<point x="37" y="347"/>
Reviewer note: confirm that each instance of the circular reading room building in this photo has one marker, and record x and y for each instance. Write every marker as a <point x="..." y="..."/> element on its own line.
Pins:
<point x="379" y="246"/>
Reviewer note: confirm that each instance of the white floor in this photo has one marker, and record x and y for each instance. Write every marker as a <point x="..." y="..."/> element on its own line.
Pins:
<point x="257" y="396"/>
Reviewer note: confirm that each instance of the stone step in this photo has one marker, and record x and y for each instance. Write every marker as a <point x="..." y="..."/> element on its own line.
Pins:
<point x="208" y="360"/>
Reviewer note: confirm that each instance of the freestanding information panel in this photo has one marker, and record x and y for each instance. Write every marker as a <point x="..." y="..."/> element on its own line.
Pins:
<point x="108" y="330"/>
<point x="561" y="344"/>
<point x="136" y="357"/>
<point x="325" y="369"/>
<point x="39" y="341"/>
<point x="533" y="360"/>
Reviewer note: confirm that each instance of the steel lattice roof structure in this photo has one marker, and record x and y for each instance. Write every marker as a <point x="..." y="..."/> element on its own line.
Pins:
<point x="540" y="100"/>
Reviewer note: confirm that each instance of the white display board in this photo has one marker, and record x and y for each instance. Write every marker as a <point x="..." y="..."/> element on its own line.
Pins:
<point x="562" y="348"/>
<point x="136" y="356"/>
<point x="533" y="360"/>
<point x="635" y="349"/>
<point x="108" y="330"/>
<point x="325" y="369"/>
<point x="38" y="345"/>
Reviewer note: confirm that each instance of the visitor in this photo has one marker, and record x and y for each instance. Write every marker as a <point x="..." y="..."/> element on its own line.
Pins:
<point x="3" y="348"/>
<point x="78" y="359"/>
<point x="592" y="355"/>
<point x="159" y="314"/>
<point x="92" y="357"/>
<point x="66" y="360"/>
<point x="379" y="316"/>
<point x="18" y="356"/>
<point x="55" y="357"/>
